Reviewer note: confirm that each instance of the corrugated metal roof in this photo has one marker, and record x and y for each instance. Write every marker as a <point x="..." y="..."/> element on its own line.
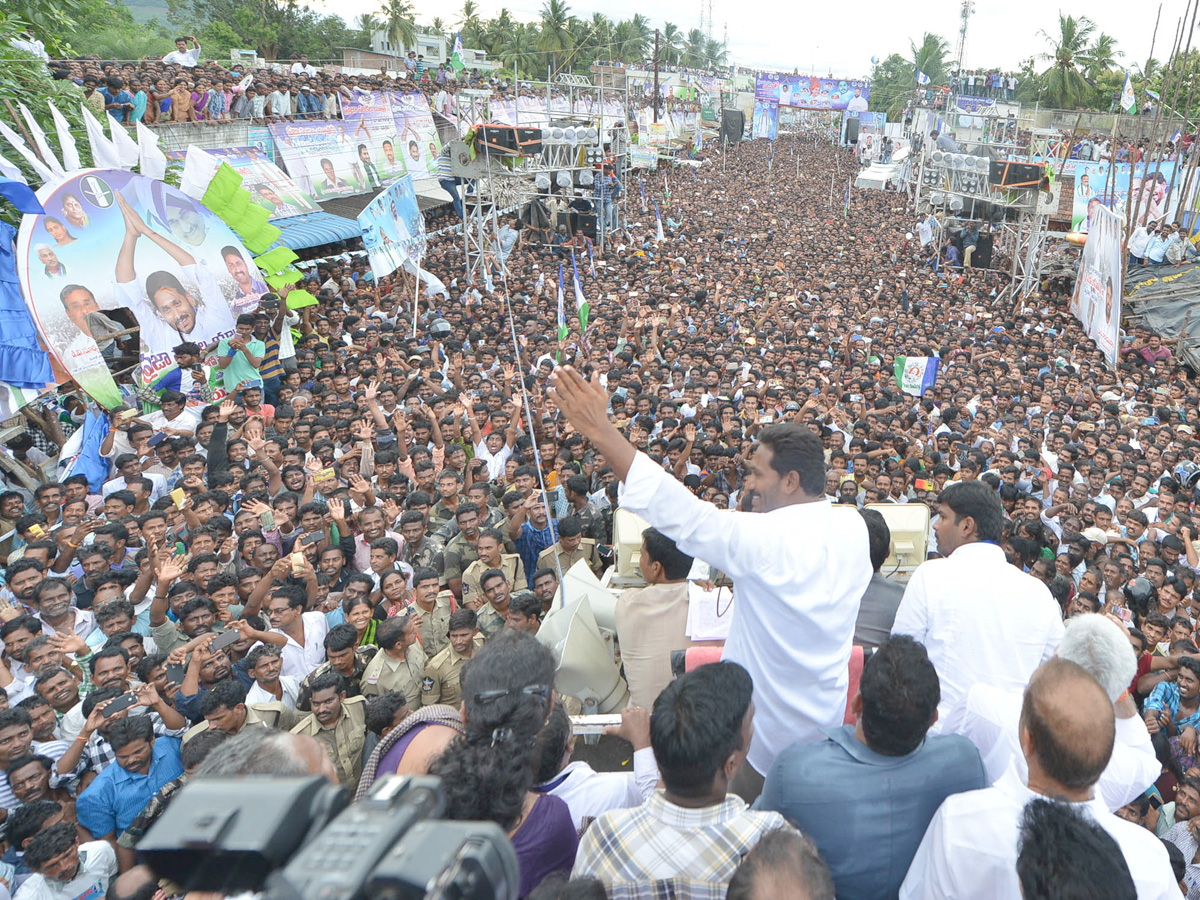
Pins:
<point x="315" y="229"/>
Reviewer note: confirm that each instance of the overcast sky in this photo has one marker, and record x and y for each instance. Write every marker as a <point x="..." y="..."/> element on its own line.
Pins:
<point x="844" y="36"/>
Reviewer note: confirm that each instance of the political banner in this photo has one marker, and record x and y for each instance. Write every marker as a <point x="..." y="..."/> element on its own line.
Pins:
<point x="643" y="157"/>
<point x="393" y="229"/>
<point x="766" y="119"/>
<point x="813" y="93"/>
<point x="1095" y="186"/>
<point x="1097" y="299"/>
<point x="269" y="187"/>
<point x="117" y="240"/>
<point x="381" y="136"/>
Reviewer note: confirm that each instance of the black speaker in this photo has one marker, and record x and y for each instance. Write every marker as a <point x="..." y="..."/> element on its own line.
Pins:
<point x="1012" y="174"/>
<point x="852" y="131"/>
<point x="733" y="125"/>
<point x="498" y="139"/>
<point x="982" y="257"/>
<point x="529" y="141"/>
<point x="586" y="223"/>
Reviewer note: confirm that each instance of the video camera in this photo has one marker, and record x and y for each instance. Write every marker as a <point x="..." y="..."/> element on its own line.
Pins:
<point x="301" y="839"/>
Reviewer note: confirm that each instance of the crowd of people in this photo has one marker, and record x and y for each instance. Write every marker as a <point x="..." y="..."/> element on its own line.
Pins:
<point x="342" y="566"/>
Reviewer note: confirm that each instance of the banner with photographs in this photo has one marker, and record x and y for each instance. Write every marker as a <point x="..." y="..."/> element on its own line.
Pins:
<point x="1097" y="299"/>
<point x="269" y="187"/>
<point x="382" y="136"/>
<point x="115" y="249"/>
<point x="766" y="119"/>
<point x="393" y="229"/>
<point x="813" y="93"/>
<point x="1096" y="186"/>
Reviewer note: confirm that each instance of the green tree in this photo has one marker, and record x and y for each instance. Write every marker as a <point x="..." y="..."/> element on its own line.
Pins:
<point x="670" y="44"/>
<point x="1063" y="83"/>
<point x="1101" y="57"/>
<point x="399" y="23"/>
<point x="555" y="39"/>
<point x="693" y="51"/>
<point x="715" y="52"/>
<point x="517" y="52"/>
<point x="929" y="57"/>
<point x="892" y="84"/>
<point x="469" y="24"/>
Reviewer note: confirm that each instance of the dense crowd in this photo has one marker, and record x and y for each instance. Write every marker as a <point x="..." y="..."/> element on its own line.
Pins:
<point x="345" y="563"/>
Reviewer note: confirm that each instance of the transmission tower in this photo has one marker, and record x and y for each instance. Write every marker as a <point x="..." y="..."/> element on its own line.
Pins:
<point x="968" y="7"/>
<point x="710" y="20"/>
<point x="703" y="4"/>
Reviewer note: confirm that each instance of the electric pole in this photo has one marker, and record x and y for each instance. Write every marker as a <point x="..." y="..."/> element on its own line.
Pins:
<point x="655" y="103"/>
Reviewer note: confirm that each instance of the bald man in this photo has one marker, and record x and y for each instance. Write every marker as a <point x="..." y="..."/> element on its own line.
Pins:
<point x="1066" y="733"/>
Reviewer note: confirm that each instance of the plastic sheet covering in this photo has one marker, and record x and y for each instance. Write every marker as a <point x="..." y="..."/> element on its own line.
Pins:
<point x="1164" y="299"/>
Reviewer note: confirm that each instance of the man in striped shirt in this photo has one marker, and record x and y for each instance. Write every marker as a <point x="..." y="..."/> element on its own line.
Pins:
<point x="268" y="328"/>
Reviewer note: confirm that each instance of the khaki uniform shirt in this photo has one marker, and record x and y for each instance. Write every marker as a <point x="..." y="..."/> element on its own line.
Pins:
<point x="585" y="551"/>
<point x="385" y="674"/>
<point x="651" y="622"/>
<point x="435" y="626"/>
<point x="271" y="714"/>
<point x="440" y="684"/>
<point x="510" y="565"/>
<point x="343" y="743"/>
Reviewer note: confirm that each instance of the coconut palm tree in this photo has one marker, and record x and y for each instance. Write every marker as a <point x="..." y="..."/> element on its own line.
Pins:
<point x="715" y="52"/>
<point x="641" y="38"/>
<point x="1064" y="84"/>
<point x="516" y="51"/>
<point x="693" y="51"/>
<point x="1101" y="57"/>
<point x="470" y="25"/>
<point x="368" y="24"/>
<point x="670" y="44"/>
<point x="399" y="23"/>
<point x="929" y="57"/>
<point x="555" y="38"/>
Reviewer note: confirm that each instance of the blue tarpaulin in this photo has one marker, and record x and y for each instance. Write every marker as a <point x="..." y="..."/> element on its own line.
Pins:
<point x="23" y="363"/>
<point x="315" y="229"/>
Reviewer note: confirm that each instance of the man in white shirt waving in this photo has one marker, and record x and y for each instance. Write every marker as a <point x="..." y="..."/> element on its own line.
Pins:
<point x="1067" y="733"/>
<point x="982" y="620"/>
<point x="181" y="55"/>
<point x="800" y="567"/>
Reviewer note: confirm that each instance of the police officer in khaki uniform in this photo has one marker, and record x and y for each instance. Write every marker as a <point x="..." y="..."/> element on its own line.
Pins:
<point x="435" y="608"/>
<point x="460" y="550"/>
<point x="440" y="684"/>
<point x="224" y="709"/>
<point x="342" y="655"/>
<point x="420" y="550"/>
<point x="497" y="592"/>
<point x="400" y="663"/>
<point x="339" y="724"/>
<point x="491" y="556"/>
<point x="570" y="548"/>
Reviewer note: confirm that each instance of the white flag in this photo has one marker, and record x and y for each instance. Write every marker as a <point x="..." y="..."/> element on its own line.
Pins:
<point x="922" y="78"/>
<point x="127" y="148"/>
<point x="8" y="170"/>
<point x="39" y="139"/>
<point x="18" y="144"/>
<point x="104" y="154"/>
<point x="199" y="169"/>
<point x="1128" y="98"/>
<point x="153" y="162"/>
<point x="70" y="152"/>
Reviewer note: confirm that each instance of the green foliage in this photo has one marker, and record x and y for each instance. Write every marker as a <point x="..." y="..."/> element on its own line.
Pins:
<point x="28" y="81"/>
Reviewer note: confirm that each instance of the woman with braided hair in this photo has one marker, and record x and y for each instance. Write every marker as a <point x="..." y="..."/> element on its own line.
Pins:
<point x="487" y="772"/>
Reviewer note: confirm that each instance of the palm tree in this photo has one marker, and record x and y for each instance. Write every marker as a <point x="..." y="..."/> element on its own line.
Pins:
<point x="368" y="24"/>
<point x="670" y="44"/>
<point x="469" y="24"/>
<point x="516" y="50"/>
<point x="555" y="37"/>
<point x="640" y="37"/>
<point x="1064" y="84"/>
<point x="693" y="51"/>
<point x="399" y="24"/>
<point x="438" y="26"/>
<point x="715" y="53"/>
<point x="1101" y="57"/>
<point x="929" y="57"/>
<point x="599" y="36"/>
